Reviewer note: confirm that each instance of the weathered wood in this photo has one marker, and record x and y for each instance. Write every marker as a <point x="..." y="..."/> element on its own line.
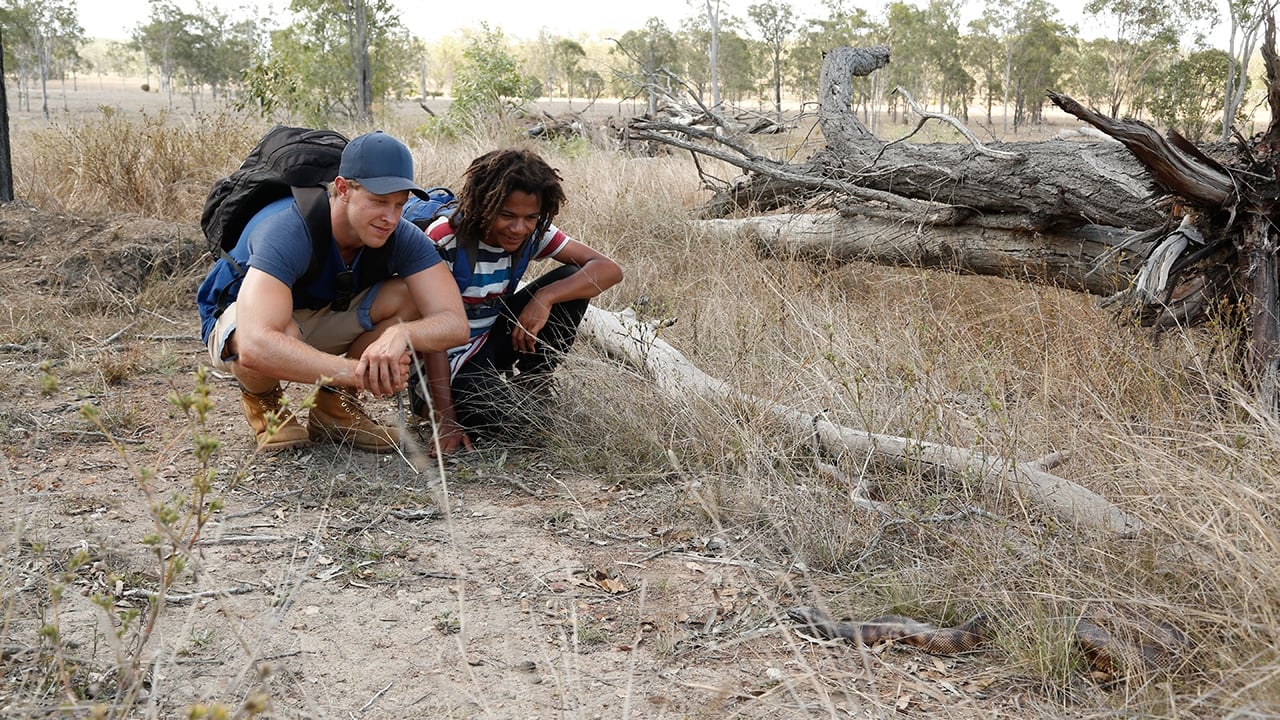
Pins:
<point x="1174" y="164"/>
<point x="839" y="67"/>
<point x="1027" y="210"/>
<point x="623" y="337"/>
<point x="1069" y="260"/>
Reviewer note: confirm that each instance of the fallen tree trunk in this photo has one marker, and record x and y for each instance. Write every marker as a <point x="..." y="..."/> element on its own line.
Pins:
<point x="1191" y="231"/>
<point x="1094" y="259"/>
<point x="622" y="336"/>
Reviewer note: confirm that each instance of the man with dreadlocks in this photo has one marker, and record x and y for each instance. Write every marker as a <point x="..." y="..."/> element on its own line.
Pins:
<point x="503" y="220"/>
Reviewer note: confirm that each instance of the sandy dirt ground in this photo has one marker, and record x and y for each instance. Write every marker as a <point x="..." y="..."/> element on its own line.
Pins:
<point x="334" y="583"/>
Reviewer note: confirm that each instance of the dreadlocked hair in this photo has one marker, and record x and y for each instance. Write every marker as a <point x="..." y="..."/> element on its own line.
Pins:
<point x="492" y="177"/>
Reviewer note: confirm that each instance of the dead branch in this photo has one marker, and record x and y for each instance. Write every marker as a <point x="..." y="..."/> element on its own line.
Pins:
<point x="953" y="122"/>
<point x="187" y="597"/>
<point x="931" y="213"/>
<point x="623" y="337"/>
<point x="1174" y="164"/>
<point x="994" y="245"/>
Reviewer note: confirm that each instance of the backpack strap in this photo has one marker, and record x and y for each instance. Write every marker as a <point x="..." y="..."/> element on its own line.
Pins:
<point x="467" y="255"/>
<point x="235" y="266"/>
<point x="522" y="259"/>
<point x="313" y="203"/>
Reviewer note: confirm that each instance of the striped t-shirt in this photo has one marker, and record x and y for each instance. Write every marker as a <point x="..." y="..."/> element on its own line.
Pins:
<point x="490" y="281"/>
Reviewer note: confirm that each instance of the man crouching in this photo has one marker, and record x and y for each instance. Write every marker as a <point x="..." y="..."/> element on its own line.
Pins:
<point x="351" y="319"/>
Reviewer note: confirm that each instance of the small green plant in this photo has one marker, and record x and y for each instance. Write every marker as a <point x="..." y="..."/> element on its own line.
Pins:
<point x="448" y="623"/>
<point x="592" y="635"/>
<point x="178" y="521"/>
<point x="48" y="381"/>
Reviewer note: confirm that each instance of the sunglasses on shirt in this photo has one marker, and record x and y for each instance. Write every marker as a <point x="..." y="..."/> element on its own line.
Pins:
<point x="344" y="285"/>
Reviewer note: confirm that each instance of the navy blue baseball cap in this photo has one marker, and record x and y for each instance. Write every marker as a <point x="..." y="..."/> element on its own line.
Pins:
<point x="380" y="163"/>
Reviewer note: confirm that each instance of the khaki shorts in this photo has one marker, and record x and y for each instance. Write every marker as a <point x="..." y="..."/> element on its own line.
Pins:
<point x="323" y="329"/>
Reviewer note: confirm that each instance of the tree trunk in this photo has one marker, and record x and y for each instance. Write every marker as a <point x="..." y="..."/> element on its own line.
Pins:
<point x="1095" y="258"/>
<point x="6" y="157"/>
<point x="622" y="336"/>
<point x="1176" y="229"/>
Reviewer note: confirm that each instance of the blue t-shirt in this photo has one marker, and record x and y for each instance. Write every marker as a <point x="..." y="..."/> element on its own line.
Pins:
<point x="276" y="242"/>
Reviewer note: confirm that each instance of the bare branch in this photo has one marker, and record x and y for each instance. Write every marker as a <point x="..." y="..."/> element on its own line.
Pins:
<point x="953" y="122"/>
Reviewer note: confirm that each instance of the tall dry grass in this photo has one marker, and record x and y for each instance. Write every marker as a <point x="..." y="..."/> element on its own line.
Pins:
<point x="1162" y="427"/>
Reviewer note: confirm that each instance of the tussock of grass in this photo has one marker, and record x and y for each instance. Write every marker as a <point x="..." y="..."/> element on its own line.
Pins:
<point x="150" y="164"/>
<point x="1163" y="428"/>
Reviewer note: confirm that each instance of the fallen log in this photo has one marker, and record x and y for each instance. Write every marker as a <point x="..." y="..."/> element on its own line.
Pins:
<point x="1201" y="219"/>
<point x="622" y="336"/>
<point x="1095" y="259"/>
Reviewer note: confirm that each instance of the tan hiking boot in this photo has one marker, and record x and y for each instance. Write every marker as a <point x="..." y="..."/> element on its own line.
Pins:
<point x="338" y="417"/>
<point x="276" y="428"/>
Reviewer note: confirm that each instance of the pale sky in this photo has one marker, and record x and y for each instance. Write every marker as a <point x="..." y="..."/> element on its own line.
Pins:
<point x="433" y="19"/>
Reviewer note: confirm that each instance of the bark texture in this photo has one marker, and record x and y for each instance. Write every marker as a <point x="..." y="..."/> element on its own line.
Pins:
<point x="1175" y="231"/>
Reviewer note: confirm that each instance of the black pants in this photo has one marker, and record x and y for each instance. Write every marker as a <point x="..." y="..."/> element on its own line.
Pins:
<point x="487" y="401"/>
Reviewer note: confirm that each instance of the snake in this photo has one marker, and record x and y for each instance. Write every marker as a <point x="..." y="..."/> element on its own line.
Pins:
<point x="1106" y="655"/>
<point x="965" y="637"/>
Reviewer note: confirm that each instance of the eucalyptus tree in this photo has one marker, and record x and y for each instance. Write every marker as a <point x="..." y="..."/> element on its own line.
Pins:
<point x="163" y="40"/>
<point x="539" y="53"/>
<point x="40" y="31"/>
<point x="1139" y="34"/>
<point x="843" y="24"/>
<point x="1246" y="18"/>
<point x="438" y="64"/>
<point x="337" y="57"/>
<point x="775" y="22"/>
<point x="489" y="82"/>
<point x="1037" y="65"/>
<point x="647" y="55"/>
<point x="738" y="75"/>
<point x="712" y="14"/>
<point x="567" y="56"/>
<point x="1184" y="93"/>
<point x="927" y="56"/>
<point x="6" y="157"/>
<point x="1032" y="44"/>
<point x="983" y="52"/>
<point x="218" y="48"/>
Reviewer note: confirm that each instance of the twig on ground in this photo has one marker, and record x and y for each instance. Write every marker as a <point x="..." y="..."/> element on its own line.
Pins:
<point x="375" y="697"/>
<point x="116" y="335"/>
<point x="429" y="513"/>
<point x="274" y="499"/>
<point x="188" y="597"/>
<point x="236" y="539"/>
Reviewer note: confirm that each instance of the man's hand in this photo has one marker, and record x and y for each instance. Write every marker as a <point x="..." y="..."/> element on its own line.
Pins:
<point x="524" y="337"/>
<point x="452" y="437"/>
<point x="383" y="368"/>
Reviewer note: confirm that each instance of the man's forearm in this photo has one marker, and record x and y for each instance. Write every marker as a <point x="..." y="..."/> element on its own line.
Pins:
<point x="591" y="279"/>
<point x="437" y="333"/>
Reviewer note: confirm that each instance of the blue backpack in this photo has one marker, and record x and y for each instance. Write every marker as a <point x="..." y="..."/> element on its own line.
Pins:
<point x="443" y="203"/>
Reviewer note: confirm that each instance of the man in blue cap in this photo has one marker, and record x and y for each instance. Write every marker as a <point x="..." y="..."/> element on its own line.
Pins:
<point x="349" y="321"/>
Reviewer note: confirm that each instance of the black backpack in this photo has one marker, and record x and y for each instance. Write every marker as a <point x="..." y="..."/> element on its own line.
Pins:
<point x="286" y="161"/>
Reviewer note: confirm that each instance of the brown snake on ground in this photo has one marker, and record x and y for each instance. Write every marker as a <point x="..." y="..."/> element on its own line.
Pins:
<point x="1103" y="652"/>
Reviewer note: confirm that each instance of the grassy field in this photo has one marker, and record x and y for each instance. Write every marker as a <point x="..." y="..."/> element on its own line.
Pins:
<point x="725" y="516"/>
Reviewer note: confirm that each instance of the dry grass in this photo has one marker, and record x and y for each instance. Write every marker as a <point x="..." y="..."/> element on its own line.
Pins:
<point x="1161" y="427"/>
